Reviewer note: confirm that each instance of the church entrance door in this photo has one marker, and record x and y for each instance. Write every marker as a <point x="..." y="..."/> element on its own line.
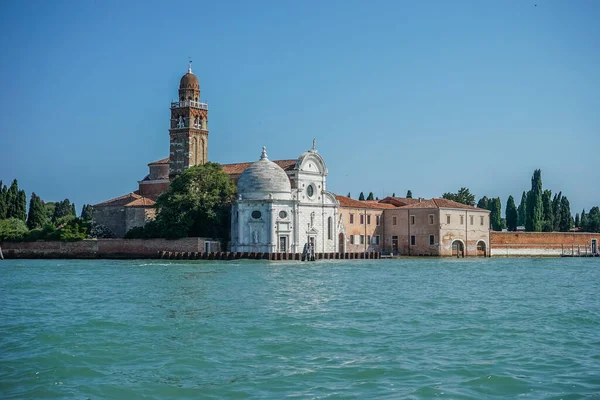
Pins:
<point x="282" y="244"/>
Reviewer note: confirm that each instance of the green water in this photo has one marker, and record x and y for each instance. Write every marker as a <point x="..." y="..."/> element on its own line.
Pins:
<point x="411" y="328"/>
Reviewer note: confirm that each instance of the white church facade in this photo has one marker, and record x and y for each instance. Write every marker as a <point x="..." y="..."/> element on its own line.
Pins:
<point x="279" y="211"/>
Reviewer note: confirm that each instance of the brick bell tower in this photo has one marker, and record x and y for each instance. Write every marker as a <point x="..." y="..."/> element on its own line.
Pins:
<point x="189" y="127"/>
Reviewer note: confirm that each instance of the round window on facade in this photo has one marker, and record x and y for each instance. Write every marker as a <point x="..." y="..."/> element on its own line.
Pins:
<point x="282" y="214"/>
<point x="256" y="214"/>
<point x="310" y="191"/>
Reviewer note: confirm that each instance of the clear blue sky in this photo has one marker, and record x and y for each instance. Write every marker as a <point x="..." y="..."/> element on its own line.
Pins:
<point x="428" y="96"/>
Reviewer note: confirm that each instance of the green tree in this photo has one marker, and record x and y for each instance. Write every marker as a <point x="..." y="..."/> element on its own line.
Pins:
<point x="37" y="213"/>
<point x="12" y="200"/>
<point x="511" y="214"/>
<point x="535" y="209"/>
<point x="483" y="203"/>
<point x="593" y="220"/>
<point x="21" y="206"/>
<point x="522" y="210"/>
<point x="12" y="229"/>
<point x="349" y="195"/>
<point x="408" y="195"/>
<point x="86" y="212"/>
<point x="3" y="205"/>
<point x="495" y="215"/>
<point x="394" y="194"/>
<point x="197" y="204"/>
<point x="577" y="220"/>
<point x="370" y="197"/>
<point x="565" y="215"/>
<point x="548" y="225"/>
<point x="361" y="196"/>
<point x="557" y="210"/>
<point x="583" y="221"/>
<point x="64" y="211"/>
<point x="463" y="196"/>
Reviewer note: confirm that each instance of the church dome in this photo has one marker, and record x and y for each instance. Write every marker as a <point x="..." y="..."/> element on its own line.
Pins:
<point x="263" y="180"/>
<point x="189" y="81"/>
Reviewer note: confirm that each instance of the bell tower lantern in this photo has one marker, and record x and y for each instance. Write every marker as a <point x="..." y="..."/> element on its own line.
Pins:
<point x="189" y="127"/>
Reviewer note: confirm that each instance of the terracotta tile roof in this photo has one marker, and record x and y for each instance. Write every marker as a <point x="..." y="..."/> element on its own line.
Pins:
<point x="440" y="203"/>
<point x="129" y="200"/>
<point x="161" y="161"/>
<point x="351" y="203"/>
<point x="399" y="201"/>
<point x="238" y="168"/>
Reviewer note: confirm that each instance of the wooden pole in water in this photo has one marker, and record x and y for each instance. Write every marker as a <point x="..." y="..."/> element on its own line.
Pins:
<point x="1" y="255"/>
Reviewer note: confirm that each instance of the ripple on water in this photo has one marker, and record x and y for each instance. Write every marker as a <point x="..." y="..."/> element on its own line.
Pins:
<point x="494" y="328"/>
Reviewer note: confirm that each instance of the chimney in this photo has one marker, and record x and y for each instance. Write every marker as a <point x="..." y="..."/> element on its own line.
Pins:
<point x="420" y="199"/>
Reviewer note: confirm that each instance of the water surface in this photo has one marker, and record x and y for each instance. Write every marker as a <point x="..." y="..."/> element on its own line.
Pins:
<point x="408" y="328"/>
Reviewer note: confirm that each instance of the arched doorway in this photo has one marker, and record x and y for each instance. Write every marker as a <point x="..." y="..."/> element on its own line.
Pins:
<point x="458" y="249"/>
<point x="342" y="243"/>
<point x="481" y="249"/>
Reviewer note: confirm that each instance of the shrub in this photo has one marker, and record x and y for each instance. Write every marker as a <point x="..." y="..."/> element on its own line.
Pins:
<point x="12" y="230"/>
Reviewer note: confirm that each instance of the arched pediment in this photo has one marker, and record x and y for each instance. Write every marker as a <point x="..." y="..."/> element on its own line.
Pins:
<point x="311" y="161"/>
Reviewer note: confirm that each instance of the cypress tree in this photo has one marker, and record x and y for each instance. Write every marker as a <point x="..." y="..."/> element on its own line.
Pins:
<point x="12" y="199"/>
<point x="37" y="212"/>
<point x="556" y="207"/>
<point x="565" y="215"/>
<point x="3" y="206"/>
<point x="408" y="195"/>
<point x="86" y="212"/>
<point x="361" y="196"/>
<point x="21" y="206"/>
<point x="583" y="221"/>
<point x="394" y="194"/>
<point x="495" y="215"/>
<point x="511" y="214"/>
<point x="349" y="195"/>
<point x="370" y="197"/>
<point x="548" y="225"/>
<point x="577" y="220"/>
<point x="483" y="203"/>
<point x="534" y="217"/>
<point x="522" y="210"/>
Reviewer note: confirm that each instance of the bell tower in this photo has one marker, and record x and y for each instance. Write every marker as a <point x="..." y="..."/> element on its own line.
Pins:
<point x="189" y="127"/>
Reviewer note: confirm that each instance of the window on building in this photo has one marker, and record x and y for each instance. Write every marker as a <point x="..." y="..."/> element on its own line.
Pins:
<point x="362" y="219"/>
<point x="430" y="219"/>
<point x="462" y="219"/>
<point x="369" y="239"/>
<point x="376" y="240"/>
<point x="377" y="220"/>
<point x="351" y="239"/>
<point x="481" y="221"/>
<point x="329" y="228"/>
<point x="471" y="219"/>
<point x="412" y="219"/>
<point x="412" y="240"/>
<point x="362" y="239"/>
<point x="447" y="218"/>
<point x="431" y="239"/>
<point x="351" y="218"/>
<point x="368" y="220"/>
<point x="394" y="220"/>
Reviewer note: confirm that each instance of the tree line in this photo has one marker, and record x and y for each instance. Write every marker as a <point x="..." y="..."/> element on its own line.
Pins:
<point x="42" y="220"/>
<point x="538" y="210"/>
<point x="361" y="196"/>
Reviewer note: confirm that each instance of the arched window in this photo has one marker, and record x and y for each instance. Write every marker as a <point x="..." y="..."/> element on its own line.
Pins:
<point x="202" y="152"/>
<point x="329" y="228"/>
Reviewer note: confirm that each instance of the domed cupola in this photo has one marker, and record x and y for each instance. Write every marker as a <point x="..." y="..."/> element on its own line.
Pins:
<point x="189" y="80"/>
<point x="264" y="180"/>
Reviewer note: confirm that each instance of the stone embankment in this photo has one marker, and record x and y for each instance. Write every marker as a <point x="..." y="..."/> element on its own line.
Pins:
<point x="264" y="256"/>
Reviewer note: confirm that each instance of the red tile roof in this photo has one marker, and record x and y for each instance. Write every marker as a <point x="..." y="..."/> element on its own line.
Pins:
<point x="399" y="201"/>
<point x="351" y="203"/>
<point x="128" y="200"/>
<point x="161" y="161"/>
<point x="238" y="168"/>
<point x="440" y="203"/>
